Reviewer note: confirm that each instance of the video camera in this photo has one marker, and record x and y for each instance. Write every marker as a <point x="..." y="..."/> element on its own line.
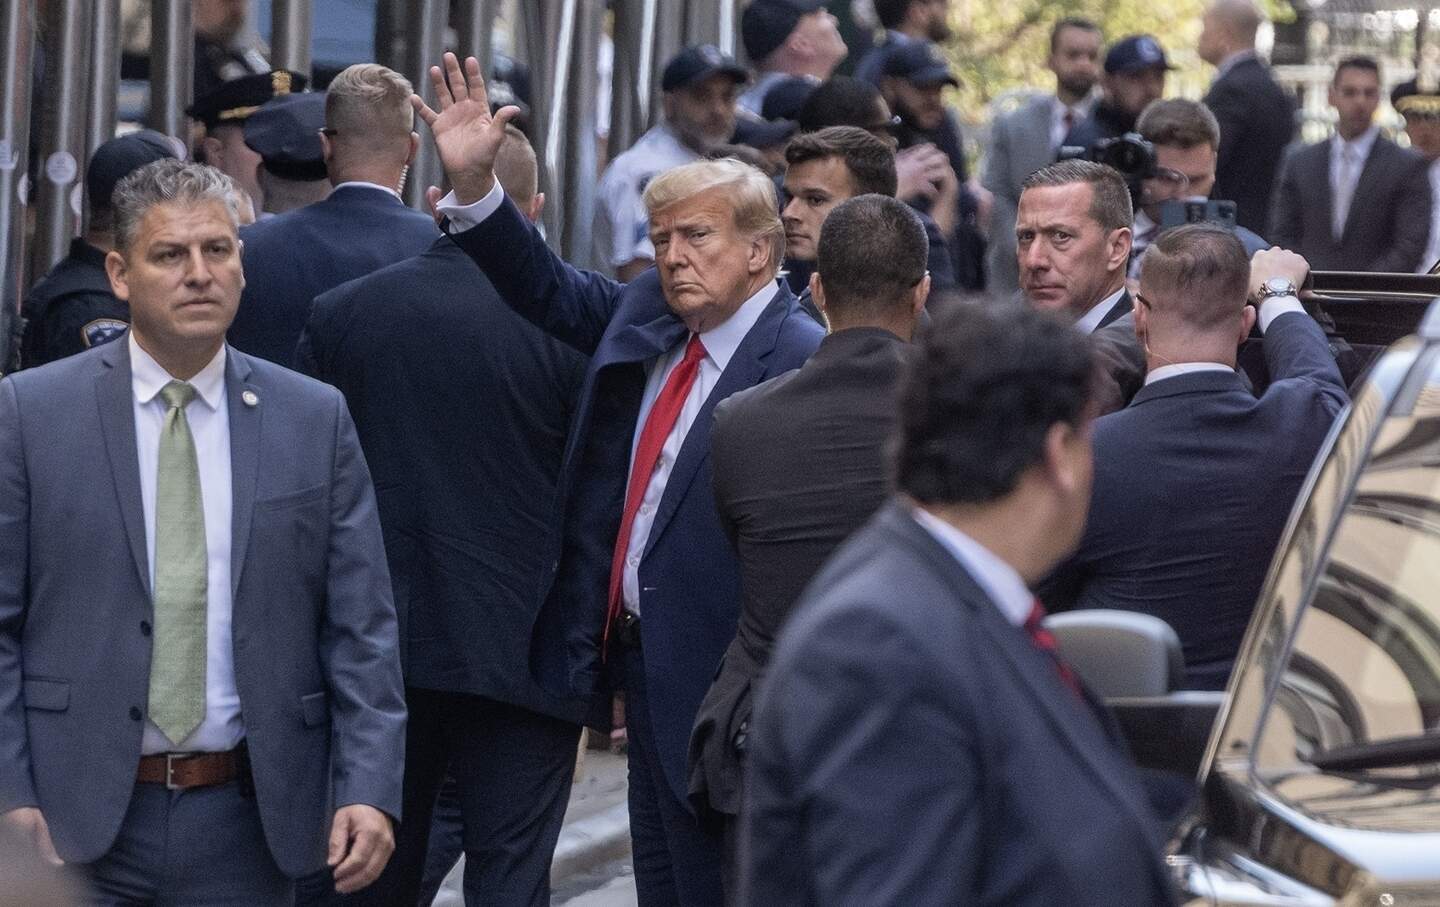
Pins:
<point x="1130" y="154"/>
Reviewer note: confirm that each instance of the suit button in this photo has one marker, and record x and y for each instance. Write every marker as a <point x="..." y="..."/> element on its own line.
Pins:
<point x="135" y="713"/>
<point x="144" y="628"/>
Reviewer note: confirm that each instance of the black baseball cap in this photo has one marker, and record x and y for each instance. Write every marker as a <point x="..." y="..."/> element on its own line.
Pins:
<point x="785" y="98"/>
<point x="235" y="100"/>
<point x="119" y="157"/>
<point x="285" y="132"/>
<point x="1136" y="53"/>
<point x="761" y="134"/>
<point x="696" y="64"/>
<point x="766" y="24"/>
<point x="919" y="63"/>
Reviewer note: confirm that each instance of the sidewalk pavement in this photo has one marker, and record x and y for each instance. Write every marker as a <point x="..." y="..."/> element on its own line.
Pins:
<point x="596" y="829"/>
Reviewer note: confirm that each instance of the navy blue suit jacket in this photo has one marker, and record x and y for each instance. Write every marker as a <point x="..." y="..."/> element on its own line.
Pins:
<point x="1193" y="484"/>
<point x="463" y="408"/>
<point x="293" y="257"/>
<point x="911" y="746"/>
<point x="689" y="579"/>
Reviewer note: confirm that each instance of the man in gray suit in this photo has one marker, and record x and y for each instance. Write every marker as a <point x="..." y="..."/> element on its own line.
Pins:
<point x="1028" y="137"/>
<point x="198" y="647"/>
<point x="1356" y="201"/>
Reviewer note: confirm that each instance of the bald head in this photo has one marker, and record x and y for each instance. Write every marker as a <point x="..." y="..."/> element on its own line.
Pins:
<point x="1229" y="28"/>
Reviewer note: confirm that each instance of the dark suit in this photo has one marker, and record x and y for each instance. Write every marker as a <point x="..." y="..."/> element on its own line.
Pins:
<point x="912" y="746"/>
<point x="688" y="574"/>
<point x="293" y="257"/>
<point x="313" y="626"/>
<point x="1193" y="484"/>
<point x="462" y="409"/>
<point x="1389" y="218"/>
<point x="1106" y="121"/>
<point x="799" y="465"/>
<point x="1257" y="121"/>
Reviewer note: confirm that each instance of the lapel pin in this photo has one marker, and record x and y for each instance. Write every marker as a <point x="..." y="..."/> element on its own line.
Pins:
<point x="250" y="398"/>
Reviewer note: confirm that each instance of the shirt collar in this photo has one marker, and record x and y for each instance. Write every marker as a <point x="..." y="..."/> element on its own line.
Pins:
<point x="1081" y="108"/>
<point x="1362" y="143"/>
<point x="1091" y="319"/>
<point x="1177" y="369"/>
<point x="724" y="339"/>
<point x="1235" y="59"/>
<point x="995" y="577"/>
<point x="364" y="185"/>
<point x="148" y="377"/>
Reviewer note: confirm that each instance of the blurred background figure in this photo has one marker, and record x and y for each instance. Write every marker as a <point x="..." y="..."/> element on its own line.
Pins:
<point x="222" y="114"/>
<point x="285" y="132"/>
<point x="1418" y="101"/>
<point x="788" y="38"/>
<point x="1135" y="70"/>
<point x="926" y="21"/>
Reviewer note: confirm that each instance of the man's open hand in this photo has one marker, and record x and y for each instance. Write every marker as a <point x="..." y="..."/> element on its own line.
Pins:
<point x="361" y="842"/>
<point x="32" y="827"/>
<point x="467" y="136"/>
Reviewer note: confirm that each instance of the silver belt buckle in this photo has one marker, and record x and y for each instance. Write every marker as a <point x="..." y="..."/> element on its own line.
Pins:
<point x="170" y="759"/>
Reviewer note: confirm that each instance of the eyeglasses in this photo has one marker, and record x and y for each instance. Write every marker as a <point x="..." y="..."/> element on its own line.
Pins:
<point x="1172" y="179"/>
<point x="328" y="132"/>
<point x="1143" y="301"/>
<point x="886" y="127"/>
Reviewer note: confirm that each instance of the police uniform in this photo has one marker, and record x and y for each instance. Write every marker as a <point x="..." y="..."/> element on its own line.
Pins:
<point x="1419" y="98"/>
<point x="285" y="132"/>
<point x="231" y="103"/>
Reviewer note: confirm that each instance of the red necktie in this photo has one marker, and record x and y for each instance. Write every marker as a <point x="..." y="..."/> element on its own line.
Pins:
<point x="1044" y="640"/>
<point x="658" y="424"/>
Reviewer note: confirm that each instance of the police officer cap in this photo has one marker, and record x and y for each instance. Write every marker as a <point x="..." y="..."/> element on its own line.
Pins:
<point x="766" y="24"/>
<point x="1412" y="99"/>
<point x="919" y="63"/>
<point x="1136" y="53"/>
<point x="236" y="99"/>
<point x="285" y="132"/>
<point x="697" y="63"/>
<point x="118" y="158"/>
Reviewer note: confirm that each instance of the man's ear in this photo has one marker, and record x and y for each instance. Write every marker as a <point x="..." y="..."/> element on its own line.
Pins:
<point x="1141" y="315"/>
<point x="1117" y="252"/>
<point x="327" y="149"/>
<point x="210" y="148"/>
<point x="1247" y="321"/>
<point x="761" y="256"/>
<point x="537" y="204"/>
<point x="414" y="148"/>
<point x="1061" y="449"/>
<point x="922" y="295"/>
<point x="115" y="270"/>
<point x="817" y="293"/>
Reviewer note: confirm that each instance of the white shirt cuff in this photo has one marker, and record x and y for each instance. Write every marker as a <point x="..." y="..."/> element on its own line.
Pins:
<point x="1270" y="309"/>
<point x="463" y="217"/>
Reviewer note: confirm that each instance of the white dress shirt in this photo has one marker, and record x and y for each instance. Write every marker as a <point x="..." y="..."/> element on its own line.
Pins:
<point x="1343" y="181"/>
<point x="366" y="185"/>
<point x="1270" y="309"/>
<point x="1079" y="111"/>
<point x="209" y="418"/>
<point x="1091" y="319"/>
<point x="997" y="578"/>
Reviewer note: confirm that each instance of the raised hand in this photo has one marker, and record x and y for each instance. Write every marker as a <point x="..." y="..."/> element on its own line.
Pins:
<point x="467" y="136"/>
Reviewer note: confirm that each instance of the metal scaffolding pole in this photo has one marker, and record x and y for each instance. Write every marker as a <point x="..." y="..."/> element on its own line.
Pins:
<point x="548" y="39"/>
<point x="577" y="147"/>
<point x="62" y="131"/>
<point x="290" y="30"/>
<point x="172" y="67"/>
<point x="17" y="36"/>
<point x="631" y="79"/>
<point x="702" y="21"/>
<point x="104" y="76"/>
<point x="475" y="29"/>
<point x="669" y="38"/>
<point x="424" y="43"/>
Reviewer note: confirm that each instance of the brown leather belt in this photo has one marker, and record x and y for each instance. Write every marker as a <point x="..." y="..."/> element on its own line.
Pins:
<point x="181" y="770"/>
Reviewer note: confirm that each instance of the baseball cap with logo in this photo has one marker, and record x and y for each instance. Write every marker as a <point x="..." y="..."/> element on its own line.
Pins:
<point x="697" y="63"/>
<point x="1136" y="53"/>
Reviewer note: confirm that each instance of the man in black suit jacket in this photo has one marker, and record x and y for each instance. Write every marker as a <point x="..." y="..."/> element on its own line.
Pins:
<point x="1356" y="201"/>
<point x="1256" y="115"/>
<point x="799" y="460"/>
<point x="463" y="415"/>
<point x="917" y="740"/>
<point x="1195" y="479"/>
<point x="363" y="226"/>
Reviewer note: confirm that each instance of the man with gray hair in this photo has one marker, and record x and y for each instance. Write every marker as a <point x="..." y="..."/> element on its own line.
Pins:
<point x="644" y="586"/>
<point x="184" y="737"/>
<point x="363" y="225"/>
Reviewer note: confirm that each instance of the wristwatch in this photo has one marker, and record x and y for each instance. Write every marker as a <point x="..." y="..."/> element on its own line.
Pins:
<point x="1274" y="288"/>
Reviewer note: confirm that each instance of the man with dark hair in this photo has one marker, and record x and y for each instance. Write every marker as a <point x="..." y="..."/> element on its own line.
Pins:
<point x="1135" y="69"/>
<point x="788" y="38"/>
<point x="1187" y="542"/>
<point x="917" y="740"/>
<point x="798" y="462"/>
<point x="1356" y="201"/>
<point x="1026" y="138"/>
<point x="1256" y="115"/>
<point x="926" y="21"/>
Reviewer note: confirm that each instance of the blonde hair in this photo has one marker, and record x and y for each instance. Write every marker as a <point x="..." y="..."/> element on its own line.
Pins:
<point x="751" y="192"/>
<point x="368" y="106"/>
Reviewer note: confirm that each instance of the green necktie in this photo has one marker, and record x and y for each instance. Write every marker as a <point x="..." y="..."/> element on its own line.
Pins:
<point x="177" y="662"/>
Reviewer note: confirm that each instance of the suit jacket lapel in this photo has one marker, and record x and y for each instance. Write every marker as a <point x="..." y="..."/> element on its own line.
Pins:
<point x="1366" y="184"/>
<point x="116" y="398"/>
<point x="745" y="369"/>
<point x="244" y="456"/>
<point x="639" y="342"/>
<point x="1119" y="310"/>
<point x="1319" y="183"/>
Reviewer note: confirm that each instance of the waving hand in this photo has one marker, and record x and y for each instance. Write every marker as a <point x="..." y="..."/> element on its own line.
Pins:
<point x="466" y="134"/>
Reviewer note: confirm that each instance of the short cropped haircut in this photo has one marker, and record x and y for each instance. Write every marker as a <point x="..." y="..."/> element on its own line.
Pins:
<point x="1110" y="207"/>
<point x="872" y="252"/>
<point x="369" y="104"/>
<point x="1079" y="22"/>
<point x="1179" y="123"/>
<point x="1199" y="272"/>
<point x="979" y="398"/>
<point x="870" y="161"/>
<point x="840" y="101"/>
<point x="516" y="168"/>
<point x="751" y="192"/>
<point x="168" y="182"/>
<point x="1356" y="62"/>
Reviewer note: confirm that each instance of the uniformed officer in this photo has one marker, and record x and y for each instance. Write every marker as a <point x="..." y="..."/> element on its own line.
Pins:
<point x="285" y="132"/>
<point x="1418" y="101"/>
<point x="223" y="113"/>
<point x="72" y="308"/>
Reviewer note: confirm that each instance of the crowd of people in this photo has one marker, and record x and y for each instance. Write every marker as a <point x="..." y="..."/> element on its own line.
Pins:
<point x="329" y="524"/>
